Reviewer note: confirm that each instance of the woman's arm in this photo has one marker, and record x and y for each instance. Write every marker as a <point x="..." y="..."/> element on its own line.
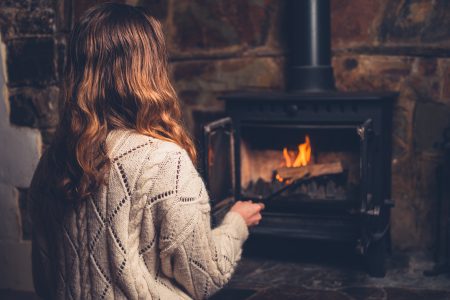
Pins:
<point x="198" y="258"/>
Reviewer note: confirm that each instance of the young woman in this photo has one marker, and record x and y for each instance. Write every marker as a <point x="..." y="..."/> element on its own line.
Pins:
<point x="119" y="210"/>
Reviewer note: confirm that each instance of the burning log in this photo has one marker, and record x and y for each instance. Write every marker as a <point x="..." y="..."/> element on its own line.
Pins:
<point x="310" y="171"/>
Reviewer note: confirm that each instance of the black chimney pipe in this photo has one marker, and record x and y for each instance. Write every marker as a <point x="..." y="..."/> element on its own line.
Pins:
<point x="311" y="68"/>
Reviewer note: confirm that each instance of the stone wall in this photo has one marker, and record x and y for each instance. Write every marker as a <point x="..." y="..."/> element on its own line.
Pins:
<point x="402" y="46"/>
<point x="29" y="74"/>
<point x="225" y="45"/>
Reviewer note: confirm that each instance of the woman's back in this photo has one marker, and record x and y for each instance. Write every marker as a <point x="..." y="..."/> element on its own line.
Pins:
<point x="119" y="210"/>
<point x="147" y="226"/>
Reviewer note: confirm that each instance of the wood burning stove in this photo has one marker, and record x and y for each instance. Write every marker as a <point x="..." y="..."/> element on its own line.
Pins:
<point x="319" y="159"/>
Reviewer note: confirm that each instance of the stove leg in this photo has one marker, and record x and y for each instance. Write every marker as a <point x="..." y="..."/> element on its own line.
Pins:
<point x="375" y="257"/>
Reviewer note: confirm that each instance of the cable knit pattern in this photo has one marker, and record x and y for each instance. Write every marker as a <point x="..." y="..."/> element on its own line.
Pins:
<point x="144" y="235"/>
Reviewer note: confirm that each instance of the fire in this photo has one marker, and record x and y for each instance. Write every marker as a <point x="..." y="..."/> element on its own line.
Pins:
<point x="302" y="158"/>
<point x="303" y="155"/>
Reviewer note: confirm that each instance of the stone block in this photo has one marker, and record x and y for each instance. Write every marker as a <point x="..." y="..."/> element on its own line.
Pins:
<point x="404" y="227"/>
<point x="430" y="120"/>
<point x="22" y="112"/>
<point x="200" y="82"/>
<point x="10" y="221"/>
<point x="38" y="21"/>
<point x="437" y="29"/>
<point x="7" y="16"/>
<point x="80" y="6"/>
<point x="424" y="90"/>
<point x="14" y="3"/>
<point x="35" y="107"/>
<point x="414" y="190"/>
<point x="355" y="23"/>
<point x="41" y="4"/>
<point x="21" y="150"/>
<point x="61" y="57"/>
<point x="401" y="133"/>
<point x="31" y="61"/>
<point x="26" y="4"/>
<point x="218" y="24"/>
<point x="444" y="66"/>
<point x="24" y="18"/>
<point x="20" y="154"/>
<point x="430" y="88"/>
<point x="427" y="66"/>
<point x="158" y="8"/>
<point x="404" y="20"/>
<point x="415" y="22"/>
<point x="371" y="73"/>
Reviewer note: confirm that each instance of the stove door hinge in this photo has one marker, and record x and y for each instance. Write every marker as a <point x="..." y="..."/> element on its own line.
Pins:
<point x="367" y="203"/>
<point x="374" y="211"/>
<point x="361" y="246"/>
<point x="364" y="129"/>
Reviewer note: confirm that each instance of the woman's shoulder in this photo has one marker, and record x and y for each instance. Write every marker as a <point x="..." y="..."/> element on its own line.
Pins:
<point x="142" y="159"/>
<point x="123" y="143"/>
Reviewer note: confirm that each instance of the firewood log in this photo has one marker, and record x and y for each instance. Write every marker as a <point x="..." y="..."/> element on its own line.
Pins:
<point x="310" y="171"/>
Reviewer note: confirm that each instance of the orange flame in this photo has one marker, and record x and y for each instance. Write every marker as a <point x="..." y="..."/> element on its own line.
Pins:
<point x="303" y="156"/>
<point x="301" y="159"/>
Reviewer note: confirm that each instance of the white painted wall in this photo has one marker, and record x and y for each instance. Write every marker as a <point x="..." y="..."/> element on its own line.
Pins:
<point x="20" y="149"/>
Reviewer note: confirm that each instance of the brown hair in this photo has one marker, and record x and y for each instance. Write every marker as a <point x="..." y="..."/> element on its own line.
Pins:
<point x="116" y="77"/>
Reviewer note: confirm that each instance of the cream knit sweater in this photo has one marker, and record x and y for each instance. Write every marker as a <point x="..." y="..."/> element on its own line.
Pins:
<point x="145" y="235"/>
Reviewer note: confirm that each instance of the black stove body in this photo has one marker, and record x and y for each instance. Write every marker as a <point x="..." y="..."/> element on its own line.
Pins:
<point x="242" y="150"/>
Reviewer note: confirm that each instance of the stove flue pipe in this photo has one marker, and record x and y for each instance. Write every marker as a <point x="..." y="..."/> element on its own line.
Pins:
<point x="310" y="51"/>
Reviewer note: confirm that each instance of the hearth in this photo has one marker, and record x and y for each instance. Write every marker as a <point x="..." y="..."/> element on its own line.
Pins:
<point x="319" y="159"/>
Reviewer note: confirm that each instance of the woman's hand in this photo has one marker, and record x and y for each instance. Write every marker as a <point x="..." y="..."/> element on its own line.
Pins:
<point x="251" y="212"/>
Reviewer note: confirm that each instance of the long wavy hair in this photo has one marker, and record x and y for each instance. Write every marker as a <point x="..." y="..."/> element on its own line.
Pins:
<point x="116" y="77"/>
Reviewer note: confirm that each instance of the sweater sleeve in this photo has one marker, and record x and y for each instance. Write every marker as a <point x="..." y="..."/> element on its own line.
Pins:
<point x="198" y="258"/>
